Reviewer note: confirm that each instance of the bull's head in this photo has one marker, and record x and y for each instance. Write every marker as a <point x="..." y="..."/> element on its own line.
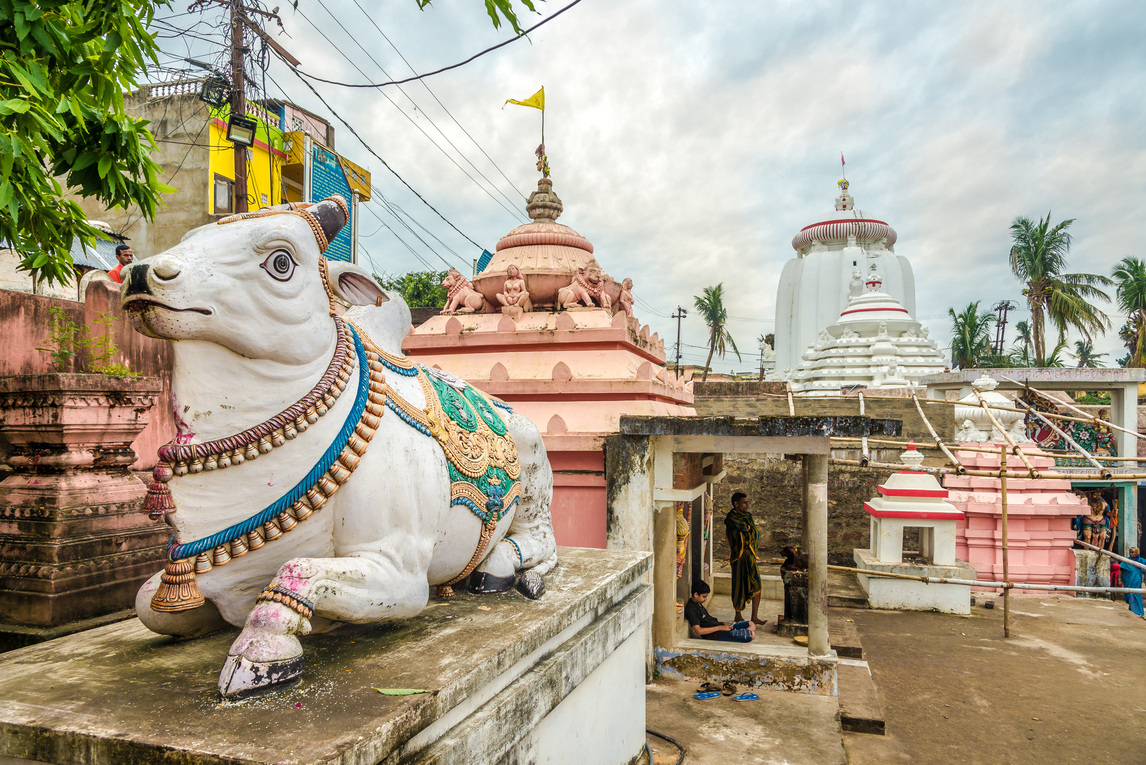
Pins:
<point x="250" y="283"/>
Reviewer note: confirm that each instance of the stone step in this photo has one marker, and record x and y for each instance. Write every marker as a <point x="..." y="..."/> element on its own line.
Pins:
<point x="844" y="637"/>
<point x="860" y="710"/>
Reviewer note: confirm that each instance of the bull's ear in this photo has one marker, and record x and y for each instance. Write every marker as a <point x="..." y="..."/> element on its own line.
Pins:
<point x="332" y="215"/>
<point x="353" y="285"/>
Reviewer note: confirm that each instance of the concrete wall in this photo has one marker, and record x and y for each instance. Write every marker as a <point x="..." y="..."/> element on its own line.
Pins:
<point x="882" y="405"/>
<point x="774" y="489"/>
<point x="179" y="124"/>
<point x="24" y="321"/>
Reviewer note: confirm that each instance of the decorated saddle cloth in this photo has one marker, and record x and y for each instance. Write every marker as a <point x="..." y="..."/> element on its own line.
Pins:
<point x="481" y="455"/>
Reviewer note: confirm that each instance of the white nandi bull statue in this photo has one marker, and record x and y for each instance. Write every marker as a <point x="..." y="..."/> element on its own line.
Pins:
<point x="318" y="476"/>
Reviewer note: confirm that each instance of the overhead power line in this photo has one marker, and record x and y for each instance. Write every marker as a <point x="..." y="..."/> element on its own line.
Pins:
<point x="513" y="212"/>
<point x="435" y="97"/>
<point x="377" y="156"/>
<point x="445" y="68"/>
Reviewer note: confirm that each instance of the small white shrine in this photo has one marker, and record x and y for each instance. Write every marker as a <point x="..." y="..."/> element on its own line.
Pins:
<point x="875" y="343"/>
<point x="914" y="499"/>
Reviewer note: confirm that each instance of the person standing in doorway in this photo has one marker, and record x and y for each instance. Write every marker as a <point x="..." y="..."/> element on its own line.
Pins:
<point x="125" y="257"/>
<point x="743" y="545"/>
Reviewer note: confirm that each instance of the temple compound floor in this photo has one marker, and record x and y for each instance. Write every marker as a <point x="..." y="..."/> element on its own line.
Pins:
<point x="1068" y="686"/>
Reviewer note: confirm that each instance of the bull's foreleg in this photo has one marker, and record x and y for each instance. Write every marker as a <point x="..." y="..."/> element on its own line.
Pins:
<point x="362" y="587"/>
<point x="530" y="545"/>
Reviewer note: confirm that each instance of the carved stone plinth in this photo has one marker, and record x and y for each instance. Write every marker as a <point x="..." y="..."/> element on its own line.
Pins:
<point x="74" y="542"/>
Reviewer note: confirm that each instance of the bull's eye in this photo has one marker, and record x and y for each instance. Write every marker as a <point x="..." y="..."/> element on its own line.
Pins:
<point x="280" y="265"/>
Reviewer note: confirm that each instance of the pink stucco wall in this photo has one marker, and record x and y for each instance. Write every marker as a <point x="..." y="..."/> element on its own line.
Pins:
<point x="24" y="322"/>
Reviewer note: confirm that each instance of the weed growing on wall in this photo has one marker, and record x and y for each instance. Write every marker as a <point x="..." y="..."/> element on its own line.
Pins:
<point x="70" y="343"/>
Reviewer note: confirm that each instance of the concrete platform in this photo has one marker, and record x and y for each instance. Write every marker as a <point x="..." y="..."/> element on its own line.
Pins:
<point x="787" y="728"/>
<point x="560" y="680"/>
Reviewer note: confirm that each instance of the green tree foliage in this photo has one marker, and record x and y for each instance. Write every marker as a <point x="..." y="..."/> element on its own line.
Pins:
<point x="496" y="9"/>
<point x="970" y="339"/>
<point x="710" y="304"/>
<point x="1038" y="259"/>
<point x="420" y="289"/>
<point x="1130" y="292"/>
<point x="64" y="66"/>
<point x="1085" y="356"/>
<point x="1129" y="334"/>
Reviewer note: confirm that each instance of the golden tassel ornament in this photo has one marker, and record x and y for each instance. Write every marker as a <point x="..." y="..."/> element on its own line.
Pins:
<point x="178" y="590"/>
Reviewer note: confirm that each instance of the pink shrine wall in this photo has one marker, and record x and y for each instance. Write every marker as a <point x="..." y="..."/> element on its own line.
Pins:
<point x="578" y="507"/>
<point x="1039" y="512"/>
<point x="25" y="321"/>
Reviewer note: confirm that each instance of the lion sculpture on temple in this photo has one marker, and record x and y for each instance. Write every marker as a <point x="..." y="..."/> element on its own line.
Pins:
<point x="318" y="476"/>
<point x="587" y="288"/>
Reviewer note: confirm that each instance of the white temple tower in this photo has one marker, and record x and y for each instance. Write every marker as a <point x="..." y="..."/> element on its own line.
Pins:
<point x="833" y="257"/>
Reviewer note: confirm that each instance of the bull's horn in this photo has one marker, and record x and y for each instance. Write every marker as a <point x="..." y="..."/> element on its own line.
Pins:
<point x="332" y="214"/>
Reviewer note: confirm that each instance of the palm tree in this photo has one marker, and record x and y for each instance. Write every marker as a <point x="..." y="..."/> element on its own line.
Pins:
<point x="1023" y="332"/>
<point x="1038" y="258"/>
<point x="1087" y="358"/>
<point x="970" y="341"/>
<point x="1129" y="334"/>
<point x="1130" y="278"/>
<point x="710" y="304"/>
<point x="1055" y="360"/>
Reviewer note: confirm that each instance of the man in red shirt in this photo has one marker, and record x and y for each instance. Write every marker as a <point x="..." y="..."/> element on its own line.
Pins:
<point x="125" y="256"/>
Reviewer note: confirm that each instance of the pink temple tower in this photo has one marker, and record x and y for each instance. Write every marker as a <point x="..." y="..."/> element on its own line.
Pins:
<point x="545" y="329"/>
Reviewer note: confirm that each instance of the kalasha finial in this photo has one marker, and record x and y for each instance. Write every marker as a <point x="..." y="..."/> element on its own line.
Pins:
<point x="544" y="204"/>
<point x="912" y="458"/>
<point x="874" y="282"/>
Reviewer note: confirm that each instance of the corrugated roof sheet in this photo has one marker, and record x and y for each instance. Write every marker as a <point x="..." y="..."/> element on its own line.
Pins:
<point x="102" y="257"/>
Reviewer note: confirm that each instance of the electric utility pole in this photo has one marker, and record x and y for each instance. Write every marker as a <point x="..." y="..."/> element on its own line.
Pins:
<point x="680" y="314"/>
<point x="1001" y="309"/>
<point x="238" y="102"/>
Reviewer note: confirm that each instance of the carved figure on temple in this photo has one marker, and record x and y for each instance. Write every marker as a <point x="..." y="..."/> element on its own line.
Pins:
<point x="626" y="297"/>
<point x="318" y="476"/>
<point x="855" y="286"/>
<point x="1094" y="524"/>
<point x="514" y="294"/>
<point x="588" y="287"/>
<point x="461" y="297"/>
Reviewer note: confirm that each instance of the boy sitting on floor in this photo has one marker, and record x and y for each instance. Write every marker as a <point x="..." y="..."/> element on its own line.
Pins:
<point x="703" y="625"/>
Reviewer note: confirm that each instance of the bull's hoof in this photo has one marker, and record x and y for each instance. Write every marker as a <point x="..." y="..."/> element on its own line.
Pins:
<point x="531" y="585"/>
<point x="482" y="583"/>
<point x="242" y="677"/>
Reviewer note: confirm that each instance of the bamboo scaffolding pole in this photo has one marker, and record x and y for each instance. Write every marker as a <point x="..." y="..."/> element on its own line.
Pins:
<point x="995" y="473"/>
<point x="791" y="405"/>
<point x="987" y="585"/>
<point x="917" y="446"/>
<point x="1091" y="418"/>
<point x="1100" y="457"/>
<point x="1006" y="436"/>
<point x="866" y="455"/>
<point x="1063" y="433"/>
<point x="995" y="407"/>
<point x="959" y="469"/>
<point x="1006" y="563"/>
<point x="1112" y="554"/>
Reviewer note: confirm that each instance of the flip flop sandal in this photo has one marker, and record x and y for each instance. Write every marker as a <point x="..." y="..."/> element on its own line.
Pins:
<point x="729" y="688"/>
<point x="709" y="688"/>
<point x="746" y="697"/>
<point x="708" y="695"/>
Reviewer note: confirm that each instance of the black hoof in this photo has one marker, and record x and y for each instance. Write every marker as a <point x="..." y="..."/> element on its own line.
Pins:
<point x="531" y="585"/>
<point x="482" y="583"/>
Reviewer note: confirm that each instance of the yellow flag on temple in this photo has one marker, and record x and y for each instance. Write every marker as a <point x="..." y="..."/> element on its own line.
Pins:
<point x="537" y="100"/>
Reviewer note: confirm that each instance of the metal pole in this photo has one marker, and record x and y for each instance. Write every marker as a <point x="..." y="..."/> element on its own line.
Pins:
<point x="354" y="226"/>
<point x="1111" y="554"/>
<point x="680" y="314"/>
<point x="307" y="161"/>
<point x="977" y="583"/>
<point x="1006" y="562"/>
<point x="818" y="644"/>
<point x="238" y="104"/>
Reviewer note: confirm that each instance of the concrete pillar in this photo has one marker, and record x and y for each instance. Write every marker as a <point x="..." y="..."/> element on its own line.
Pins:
<point x="1124" y="413"/>
<point x="804" y="538"/>
<point x="816" y="487"/>
<point x="664" y="575"/>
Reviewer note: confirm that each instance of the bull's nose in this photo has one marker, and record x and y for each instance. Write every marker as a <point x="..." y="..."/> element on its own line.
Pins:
<point x="165" y="271"/>
<point x="137" y="280"/>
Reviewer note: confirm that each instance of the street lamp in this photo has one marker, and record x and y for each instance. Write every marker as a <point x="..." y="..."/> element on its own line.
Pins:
<point x="241" y="130"/>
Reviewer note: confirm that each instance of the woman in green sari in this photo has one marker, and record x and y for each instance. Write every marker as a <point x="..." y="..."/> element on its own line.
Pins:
<point x="743" y="545"/>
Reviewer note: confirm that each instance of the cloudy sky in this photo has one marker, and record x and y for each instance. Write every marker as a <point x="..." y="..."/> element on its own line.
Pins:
<point x="690" y="141"/>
